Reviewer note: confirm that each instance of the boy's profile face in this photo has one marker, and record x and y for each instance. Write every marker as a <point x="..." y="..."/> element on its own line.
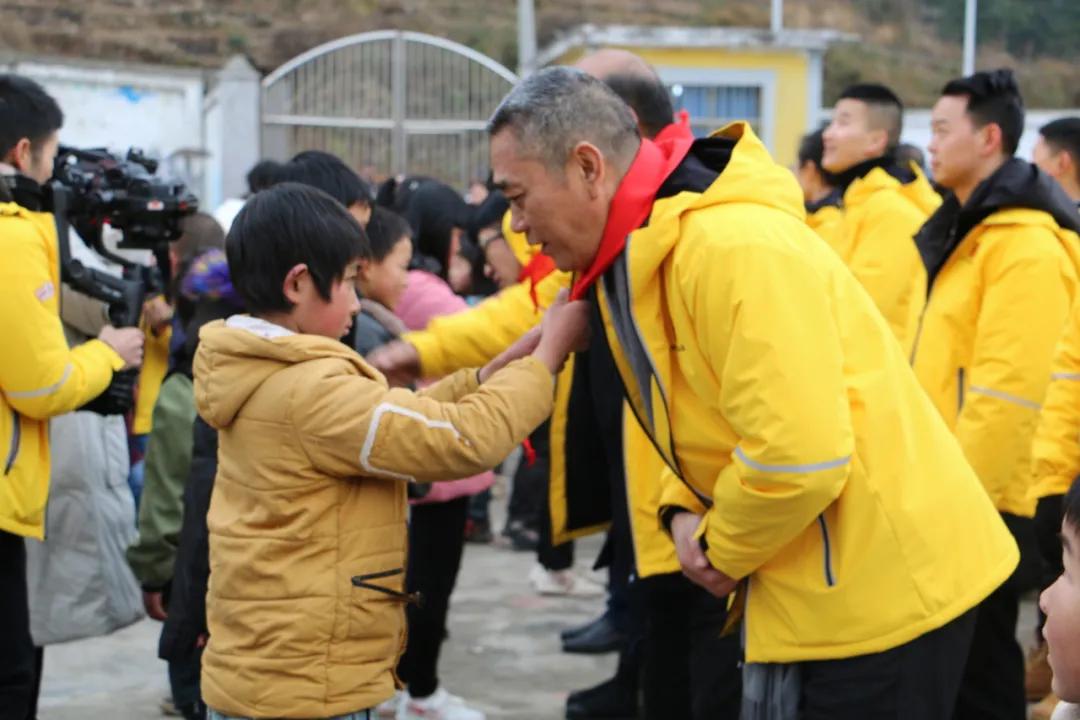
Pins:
<point x="312" y="314"/>
<point x="1061" y="603"/>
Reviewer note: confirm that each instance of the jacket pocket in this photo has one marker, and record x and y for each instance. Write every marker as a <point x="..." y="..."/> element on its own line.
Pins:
<point x="826" y="542"/>
<point x="377" y="596"/>
<point x="959" y="389"/>
<point x="16" y="439"/>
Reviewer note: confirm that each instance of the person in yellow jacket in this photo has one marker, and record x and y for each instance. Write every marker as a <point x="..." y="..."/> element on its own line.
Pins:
<point x="598" y="450"/>
<point x="1002" y="259"/>
<point x="308" y="511"/>
<point x="40" y="376"/>
<point x="1055" y="464"/>
<point x="819" y="196"/>
<point x="805" y="465"/>
<point x="882" y="204"/>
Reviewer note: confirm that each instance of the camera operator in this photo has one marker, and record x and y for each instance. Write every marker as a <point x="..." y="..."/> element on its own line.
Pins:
<point x="40" y="376"/>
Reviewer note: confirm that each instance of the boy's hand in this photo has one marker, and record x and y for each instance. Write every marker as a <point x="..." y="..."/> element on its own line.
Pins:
<point x="398" y="361"/>
<point x="524" y="346"/>
<point x="565" y="329"/>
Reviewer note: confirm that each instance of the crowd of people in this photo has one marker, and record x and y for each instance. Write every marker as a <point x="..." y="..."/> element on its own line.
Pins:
<point x="827" y="417"/>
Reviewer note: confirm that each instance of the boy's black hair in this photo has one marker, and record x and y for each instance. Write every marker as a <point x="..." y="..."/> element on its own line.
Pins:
<point x="281" y="227"/>
<point x="993" y="97"/>
<point x="385" y="229"/>
<point x="328" y="173"/>
<point x="1071" y="506"/>
<point x="811" y="148"/>
<point x="262" y="175"/>
<point x="1063" y="135"/>
<point x="887" y="110"/>
<point x="26" y="111"/>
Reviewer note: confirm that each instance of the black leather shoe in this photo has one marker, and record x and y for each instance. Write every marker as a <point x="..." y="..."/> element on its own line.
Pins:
<point x="608" y="700"/>
<point x="599" y="637"/>
<point x="568" y="633"/>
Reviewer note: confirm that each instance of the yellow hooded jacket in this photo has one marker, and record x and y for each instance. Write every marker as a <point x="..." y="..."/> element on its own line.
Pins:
<point x="40" y="376"/>
<point x="875" y="237"/>
<point x="1000" y="293"/>
<point x="579" y="498"/>
<point x="789" y="416"/>
<point x="314" y="451"/>
<point x="1055" y="451"/>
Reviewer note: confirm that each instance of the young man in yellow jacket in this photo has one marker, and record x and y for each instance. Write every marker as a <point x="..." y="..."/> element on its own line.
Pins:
<point x="882" y="204"/>
<point x="40" y="376"/>
<point x="804" y="463"/>
<point x="1002" y="260"/>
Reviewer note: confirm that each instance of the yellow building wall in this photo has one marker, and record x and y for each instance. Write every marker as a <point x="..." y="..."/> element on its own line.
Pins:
<point x="791" y="68"/>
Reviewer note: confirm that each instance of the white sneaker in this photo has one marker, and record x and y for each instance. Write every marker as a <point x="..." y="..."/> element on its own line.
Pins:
<point x="389" y="708"/>
<point x="439" y="706"/>
<point x="563" y="583"/>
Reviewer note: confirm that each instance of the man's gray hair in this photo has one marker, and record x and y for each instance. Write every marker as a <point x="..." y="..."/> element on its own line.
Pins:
<point x="555" y="109"/>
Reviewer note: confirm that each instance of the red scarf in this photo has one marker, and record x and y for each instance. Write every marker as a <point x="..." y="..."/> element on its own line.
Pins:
<point x="633" y="201"/>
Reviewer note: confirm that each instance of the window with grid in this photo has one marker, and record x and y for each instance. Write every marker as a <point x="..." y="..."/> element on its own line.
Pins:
<point x="713" y="106"/>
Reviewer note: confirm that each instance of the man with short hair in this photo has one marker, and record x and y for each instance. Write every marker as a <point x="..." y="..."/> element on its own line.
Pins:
<point x="1057" y="153"/>
<point x="40" y="376"/>
<point x="801" y="457"/>
<point x="1002" y="258"/>
<point x="603" y="473"/>
<point x="882" y="203"/>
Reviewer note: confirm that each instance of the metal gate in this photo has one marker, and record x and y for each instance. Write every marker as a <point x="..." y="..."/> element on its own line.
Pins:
<point x="387" y="102"/>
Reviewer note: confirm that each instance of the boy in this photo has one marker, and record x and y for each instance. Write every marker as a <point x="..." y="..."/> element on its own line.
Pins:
<point x="1061" y="603"/>
<point x="307" y="516"/>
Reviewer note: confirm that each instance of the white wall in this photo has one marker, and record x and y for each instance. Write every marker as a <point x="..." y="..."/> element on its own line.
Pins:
<point x="917" y="128"/>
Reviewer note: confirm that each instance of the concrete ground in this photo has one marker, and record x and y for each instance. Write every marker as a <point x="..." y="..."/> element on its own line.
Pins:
<point x="502" y="655"/>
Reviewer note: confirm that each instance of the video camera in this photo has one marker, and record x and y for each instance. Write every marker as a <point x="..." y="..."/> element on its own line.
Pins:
<point x="92" y="189"/>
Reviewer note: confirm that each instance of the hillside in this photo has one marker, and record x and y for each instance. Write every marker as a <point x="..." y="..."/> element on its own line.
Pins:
<point x="914" y="46"/>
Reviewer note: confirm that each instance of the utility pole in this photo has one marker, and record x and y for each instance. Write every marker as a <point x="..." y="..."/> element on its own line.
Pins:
<point x="971" y="8"/>
<point x="526" y="38"/>
<point x="776" y="19"/>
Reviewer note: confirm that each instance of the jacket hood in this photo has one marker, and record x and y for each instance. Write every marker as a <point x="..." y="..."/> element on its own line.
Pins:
<point x="910" y="183"/>
<point x="733" y="166"/>
<point x="1016" y="185"/>
<point x="235" y="357"/>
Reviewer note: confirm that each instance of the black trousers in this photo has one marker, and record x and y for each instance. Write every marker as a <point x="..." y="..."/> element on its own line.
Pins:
<point x="688" y="670"/>
<point x="993" y="685"/>
<point x="1048" y="535"/>
<point x="916" y="681"/>
<point x="436" y="542"/>
<point x="17" y="653"/>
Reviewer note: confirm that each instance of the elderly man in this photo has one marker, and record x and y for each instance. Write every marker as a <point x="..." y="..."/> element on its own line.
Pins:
<point x="803" y="461"/>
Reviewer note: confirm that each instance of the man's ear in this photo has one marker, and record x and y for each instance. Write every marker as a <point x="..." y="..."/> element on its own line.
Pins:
<point x="296" y="283"/>
<point x="19" y="156"/>
<point x="590" y="165"/>
<point x="992" y="140"/>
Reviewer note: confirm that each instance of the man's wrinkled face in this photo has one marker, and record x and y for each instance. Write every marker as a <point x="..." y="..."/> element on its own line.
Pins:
<point x="559" y="209"/>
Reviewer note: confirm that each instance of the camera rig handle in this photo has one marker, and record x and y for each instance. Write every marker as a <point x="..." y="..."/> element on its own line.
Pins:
<point x="123" y="295"/>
